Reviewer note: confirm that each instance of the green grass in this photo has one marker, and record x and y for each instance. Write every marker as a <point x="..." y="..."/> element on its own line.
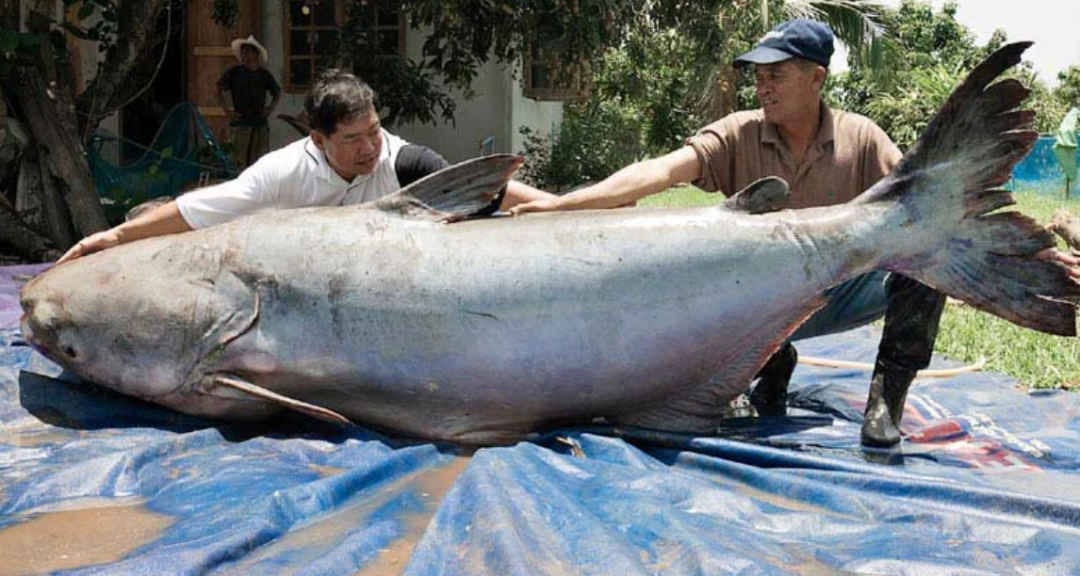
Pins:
<point x="1034" y="359"/>
<point x="682" y="196"/>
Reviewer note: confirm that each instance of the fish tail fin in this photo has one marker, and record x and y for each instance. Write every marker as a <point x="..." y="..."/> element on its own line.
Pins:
<point x="947" y="184"/>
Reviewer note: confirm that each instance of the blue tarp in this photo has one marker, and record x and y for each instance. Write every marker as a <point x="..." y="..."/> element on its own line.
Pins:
<point x="987" y="482"/>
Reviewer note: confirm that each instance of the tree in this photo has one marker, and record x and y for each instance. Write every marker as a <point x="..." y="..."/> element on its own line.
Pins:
<point x="571" y="36"/>
<point x="1068" y="88"/>
<point x="939" y="51"/>
<point x="52" y="179"/>
<point x="670" y="74"/>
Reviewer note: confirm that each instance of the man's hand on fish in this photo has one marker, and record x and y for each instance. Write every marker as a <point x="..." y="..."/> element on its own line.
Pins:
<point x="90" y="244"/>
<point x="162" y="220"/>
<point x="546" y="205"/>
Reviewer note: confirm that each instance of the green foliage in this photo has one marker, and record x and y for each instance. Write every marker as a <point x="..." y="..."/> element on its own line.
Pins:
<point x="670" y="75"/>
<point x="225" y="13"/>
<point x="24" y="47"/>
<point x="1051" y="106"/>
<point x="571" y="37"/>
<point x="904" y="114"/>
<point x="594" y="142"/>
<point x="1068" y="90"/>
<point x="938" y="51"/>
<point x="19" y="45"/>
<point x="406" y="90"/>
<point x="103" y="30"/>
<point x="641" y="105"/>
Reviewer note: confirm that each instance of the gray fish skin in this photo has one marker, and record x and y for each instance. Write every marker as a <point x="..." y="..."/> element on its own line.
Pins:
<point x="483" y="331"/>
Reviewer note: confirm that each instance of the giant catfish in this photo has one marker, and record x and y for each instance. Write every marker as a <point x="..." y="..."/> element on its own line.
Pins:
<point x="401" y="315"/>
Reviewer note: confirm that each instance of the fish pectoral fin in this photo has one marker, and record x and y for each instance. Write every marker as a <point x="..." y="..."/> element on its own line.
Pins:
<point x="260" y="393"/>
<point x="456" y="192"/>
<point x="765" y="195"/>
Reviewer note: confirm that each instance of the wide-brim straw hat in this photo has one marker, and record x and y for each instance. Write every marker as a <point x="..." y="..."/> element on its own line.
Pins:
<point x="251" y="41"/>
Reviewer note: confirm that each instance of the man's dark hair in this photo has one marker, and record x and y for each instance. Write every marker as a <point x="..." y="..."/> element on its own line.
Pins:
<point x="337" y="96"/>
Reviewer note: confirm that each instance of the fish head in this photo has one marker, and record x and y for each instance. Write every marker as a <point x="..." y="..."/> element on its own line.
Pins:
<point x="128" y="324"/>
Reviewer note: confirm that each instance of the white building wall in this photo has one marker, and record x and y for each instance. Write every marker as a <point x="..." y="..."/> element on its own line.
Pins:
<point x="487" y="115"/>
<point x="493" y="116"/>
<point x="272" y="37"/>
<point x="543" y="118"/>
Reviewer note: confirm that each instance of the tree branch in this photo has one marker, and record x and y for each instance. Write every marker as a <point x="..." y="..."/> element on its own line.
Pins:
<point x="25" y="241"/>
<point x="135" y="33"/>
<point x="9" y="14"/>
<point x="59" y="146"/>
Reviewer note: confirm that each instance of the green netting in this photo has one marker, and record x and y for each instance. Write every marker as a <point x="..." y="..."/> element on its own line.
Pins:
<point x="1065" y="144"/>
<point x="183" y="154"/>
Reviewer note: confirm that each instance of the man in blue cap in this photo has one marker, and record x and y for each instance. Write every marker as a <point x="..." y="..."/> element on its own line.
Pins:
<point x="827" y="157"/>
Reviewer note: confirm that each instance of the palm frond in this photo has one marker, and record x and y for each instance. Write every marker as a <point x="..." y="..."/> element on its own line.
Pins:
<point x="857" y="23"/>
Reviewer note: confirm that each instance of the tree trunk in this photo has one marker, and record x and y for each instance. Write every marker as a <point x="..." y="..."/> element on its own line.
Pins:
<point x="28" y="243"/>
<point x="14" y="144"/>
<point x="59" y="149"/>
<point x="110" y="87"/>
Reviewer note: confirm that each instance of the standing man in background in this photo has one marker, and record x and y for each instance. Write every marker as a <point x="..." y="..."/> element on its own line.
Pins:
<point x="248" y="85"/>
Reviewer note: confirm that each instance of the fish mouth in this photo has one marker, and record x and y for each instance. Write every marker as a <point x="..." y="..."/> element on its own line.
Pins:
<point x="24" y="327"/>
<point x="28" y="335"/>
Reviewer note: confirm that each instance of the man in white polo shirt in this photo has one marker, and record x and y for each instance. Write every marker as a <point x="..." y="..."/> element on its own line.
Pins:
<point x="348" y="159"/>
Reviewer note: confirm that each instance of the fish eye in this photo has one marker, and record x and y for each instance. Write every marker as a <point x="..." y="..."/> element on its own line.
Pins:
<point x="69" y="352"/>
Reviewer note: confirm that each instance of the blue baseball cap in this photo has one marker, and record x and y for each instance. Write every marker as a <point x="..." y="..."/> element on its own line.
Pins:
<point x="807" y="39"/>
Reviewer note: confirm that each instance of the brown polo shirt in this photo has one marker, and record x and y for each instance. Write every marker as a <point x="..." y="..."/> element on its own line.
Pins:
<point x="849" y="155"/>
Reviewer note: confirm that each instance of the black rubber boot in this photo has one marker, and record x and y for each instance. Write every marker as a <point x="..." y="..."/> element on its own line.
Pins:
<point x="885" y="405"/>
<point x="907" y="344"/>
<point x="769" y="397"/>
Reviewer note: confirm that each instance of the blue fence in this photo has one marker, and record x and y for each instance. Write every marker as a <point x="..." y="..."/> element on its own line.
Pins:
<point x="1041" y="172"/>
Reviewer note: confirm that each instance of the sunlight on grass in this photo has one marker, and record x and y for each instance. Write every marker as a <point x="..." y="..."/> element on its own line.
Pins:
<point x="1034" y="359"/>
<point x="683" y="196"/>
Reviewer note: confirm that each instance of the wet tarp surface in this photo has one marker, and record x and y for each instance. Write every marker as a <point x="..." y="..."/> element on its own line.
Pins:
<point x="987" y="482"/>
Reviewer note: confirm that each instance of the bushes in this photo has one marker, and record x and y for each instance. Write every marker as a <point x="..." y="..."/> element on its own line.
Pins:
<point x="594" y="141"/>
<point x="641" y="106"/>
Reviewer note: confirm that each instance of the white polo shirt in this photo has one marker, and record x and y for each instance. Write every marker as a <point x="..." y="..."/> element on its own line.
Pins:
<point x="296" y="176"/>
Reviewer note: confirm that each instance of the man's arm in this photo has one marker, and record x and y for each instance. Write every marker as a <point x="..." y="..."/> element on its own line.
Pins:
<point x="626" y="186"/>
<point x="163" y="220"/>
<point x="275" y="93"/>
<point x="226" y="104"/>
<point x="519" y="193"/>
<point x="273" y="104"/>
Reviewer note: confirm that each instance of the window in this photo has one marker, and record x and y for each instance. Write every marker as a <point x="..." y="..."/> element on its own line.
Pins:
<point x="540" y="82"/>
<point x="388" y="23"/>
<point x="312" y="36"/>
<point x="311" y="40"/>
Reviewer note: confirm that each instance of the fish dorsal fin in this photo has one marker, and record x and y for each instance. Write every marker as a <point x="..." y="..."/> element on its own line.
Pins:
<point x="768" y="194"/>
<point x="455" y="192"/>
<point x="216" y="382"/>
